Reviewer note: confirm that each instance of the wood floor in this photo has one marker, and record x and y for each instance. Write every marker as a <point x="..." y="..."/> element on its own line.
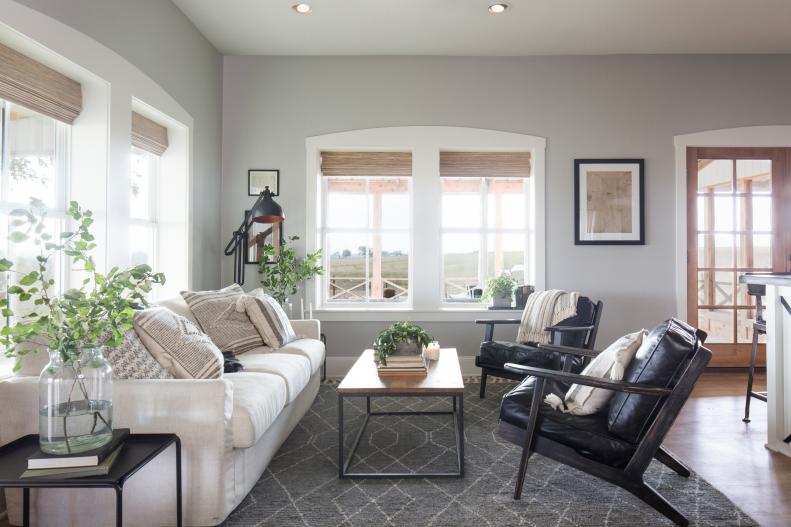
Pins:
<point x="710" y="437"/>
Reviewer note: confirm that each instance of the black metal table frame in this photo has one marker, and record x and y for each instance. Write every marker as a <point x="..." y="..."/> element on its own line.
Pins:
<point x="118" y="485"/>
<point x="458" y="418"/>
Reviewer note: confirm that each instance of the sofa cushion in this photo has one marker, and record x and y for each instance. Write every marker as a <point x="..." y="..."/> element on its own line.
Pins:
<point x="312" y="349"/>
<point x="131" y="360"/>
<point x="179" y="306"/>
<point x="230" y="329"/>
<point x="586" y="434"/>
<point x="659" y="362"/>
<point x="268" y="318"/>
<point x="178" y="344"/>
<point x="258" y="399"/>
<point x="294" y="369"/>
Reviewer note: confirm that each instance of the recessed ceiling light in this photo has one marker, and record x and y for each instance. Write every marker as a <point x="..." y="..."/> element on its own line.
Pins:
<point x="302" y="9"/>
<point x="498" y="8"/>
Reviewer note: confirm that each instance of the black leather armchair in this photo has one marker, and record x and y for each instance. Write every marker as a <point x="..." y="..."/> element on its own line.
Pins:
<point x="615" y="445"/>
<point x="578" y="331"/>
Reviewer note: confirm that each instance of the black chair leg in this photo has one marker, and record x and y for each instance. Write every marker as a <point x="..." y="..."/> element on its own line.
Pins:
<point x="669" y="460"/>
<point x="535" y="406"/>
<point x="483" y="383"/>
<point x="647" y="493"/>
<point x="750" y="373"/>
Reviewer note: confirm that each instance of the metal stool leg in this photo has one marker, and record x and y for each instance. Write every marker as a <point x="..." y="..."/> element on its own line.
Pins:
<point x="750" y="373"/>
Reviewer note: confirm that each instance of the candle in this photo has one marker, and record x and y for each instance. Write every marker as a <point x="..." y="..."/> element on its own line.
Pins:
<point x="302" y="308"/>
<point x="310" y="311"/>
<point x="432" y="351"/>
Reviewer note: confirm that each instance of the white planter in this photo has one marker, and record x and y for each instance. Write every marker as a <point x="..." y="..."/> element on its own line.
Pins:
<point x="501" y="302"/>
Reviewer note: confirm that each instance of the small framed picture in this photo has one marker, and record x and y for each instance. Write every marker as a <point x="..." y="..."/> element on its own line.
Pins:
<point x="258" y="179"/>
<point x="609" y="202"/>
<point x="259" y="235"/>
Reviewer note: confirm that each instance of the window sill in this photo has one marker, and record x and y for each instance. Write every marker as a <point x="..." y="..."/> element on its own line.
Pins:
<point x="443" y="314"/>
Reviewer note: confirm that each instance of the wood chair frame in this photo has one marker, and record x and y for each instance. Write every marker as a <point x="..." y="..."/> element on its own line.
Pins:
<point x="556" y="333"/>
<point x="649" y="447"/>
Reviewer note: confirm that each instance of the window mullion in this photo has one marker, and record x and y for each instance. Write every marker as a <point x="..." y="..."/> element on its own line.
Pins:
<point x="483" y="264"/>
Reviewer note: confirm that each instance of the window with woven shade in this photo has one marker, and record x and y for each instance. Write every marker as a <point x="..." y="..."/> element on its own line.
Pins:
<point x="366" y="227"/>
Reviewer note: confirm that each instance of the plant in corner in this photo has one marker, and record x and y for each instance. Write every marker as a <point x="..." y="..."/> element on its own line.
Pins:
<point x="75" y="388"/>
<point x="401" y="336"/>
<point x="282" y="272"/>
<point x="500" y="289"/>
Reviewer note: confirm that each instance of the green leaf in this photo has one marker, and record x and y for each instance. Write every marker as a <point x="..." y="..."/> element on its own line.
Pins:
<point x="18" y="236"/>
<point x="5" y="265"/>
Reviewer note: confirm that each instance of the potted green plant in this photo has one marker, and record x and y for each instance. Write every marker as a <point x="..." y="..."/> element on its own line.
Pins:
<point x="75" y="388"/>
<point x="282" y="272"/>
<point x="401" y="338"/>
<point x="500" y="290"/>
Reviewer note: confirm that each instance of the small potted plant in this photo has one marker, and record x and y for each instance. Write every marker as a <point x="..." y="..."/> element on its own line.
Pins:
<point x="282" y="272"/>
<point x="401" y="338"/>
<point x="500" y="290"/>
<point x="75" y="388"/>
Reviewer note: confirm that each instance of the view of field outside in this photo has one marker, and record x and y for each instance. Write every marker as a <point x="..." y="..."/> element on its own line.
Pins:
<point x="367" y="236"/>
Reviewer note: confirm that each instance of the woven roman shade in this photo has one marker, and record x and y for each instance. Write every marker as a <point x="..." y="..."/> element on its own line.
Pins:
<point x="484" y="164"/>
<point x="149" y="135"/>
<point x="392" y="164"/>
<point x="33" y="85"/>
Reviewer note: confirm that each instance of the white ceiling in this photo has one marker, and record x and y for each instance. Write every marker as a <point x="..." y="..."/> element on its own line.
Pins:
<point x="465" y="27"/>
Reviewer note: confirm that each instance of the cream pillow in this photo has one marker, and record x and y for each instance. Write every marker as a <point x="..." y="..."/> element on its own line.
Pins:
<point x="611" y="364"/>
<point x="178" y="344"/>
<point x="268" y="318"/>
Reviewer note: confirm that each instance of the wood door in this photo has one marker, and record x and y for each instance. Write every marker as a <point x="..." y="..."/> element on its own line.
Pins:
<point x="736" y="223"/>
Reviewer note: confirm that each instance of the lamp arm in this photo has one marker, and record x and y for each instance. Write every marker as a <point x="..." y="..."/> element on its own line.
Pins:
<point x="239" y="233"/>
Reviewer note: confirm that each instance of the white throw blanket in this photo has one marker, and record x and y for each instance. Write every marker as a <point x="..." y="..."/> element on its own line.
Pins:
<point x="543" y="309"/>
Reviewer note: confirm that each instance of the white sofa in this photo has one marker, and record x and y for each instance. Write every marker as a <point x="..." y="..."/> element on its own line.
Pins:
<point x="230" y="428"/>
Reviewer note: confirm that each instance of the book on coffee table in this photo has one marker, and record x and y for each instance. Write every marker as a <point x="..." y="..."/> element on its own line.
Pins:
<point x="91" y="458"/>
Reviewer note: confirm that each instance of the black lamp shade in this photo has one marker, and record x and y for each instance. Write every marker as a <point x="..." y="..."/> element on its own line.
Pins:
<point x="267" y="210"/>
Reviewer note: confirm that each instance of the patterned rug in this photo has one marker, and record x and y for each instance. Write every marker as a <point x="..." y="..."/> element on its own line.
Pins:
<point x="301" y="485"/>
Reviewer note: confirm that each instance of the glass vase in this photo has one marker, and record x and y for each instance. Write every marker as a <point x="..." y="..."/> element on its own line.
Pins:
<point x="75" y="403"/>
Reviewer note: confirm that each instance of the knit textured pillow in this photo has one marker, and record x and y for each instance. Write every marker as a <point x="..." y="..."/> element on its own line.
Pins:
<point x="178" y="344"/>
<point x="216" y="313"/>
<point x="131" y="360"/>
<point x="268" y="318"/>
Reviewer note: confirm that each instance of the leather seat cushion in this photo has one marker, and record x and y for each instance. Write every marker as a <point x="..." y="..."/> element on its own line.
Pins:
<point x="659" y="362"/>
<point x="587" y="435"/>
<point x="294" y="369"/>
<point x="311" y="349"/>
<point x="258" y="399"/>
<point x="496" y="353"/>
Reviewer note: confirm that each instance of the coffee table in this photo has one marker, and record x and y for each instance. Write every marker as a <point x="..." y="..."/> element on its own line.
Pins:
<point x="443" y="380"/>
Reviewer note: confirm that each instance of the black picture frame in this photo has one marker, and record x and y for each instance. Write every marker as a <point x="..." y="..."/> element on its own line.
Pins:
<point x="579" y="237"/>
<point x="245" y="241"/>
<point x="271" y="172"/>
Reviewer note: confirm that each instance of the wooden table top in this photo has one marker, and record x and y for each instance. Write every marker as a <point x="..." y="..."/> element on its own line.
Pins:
<point x="444" y="376"/>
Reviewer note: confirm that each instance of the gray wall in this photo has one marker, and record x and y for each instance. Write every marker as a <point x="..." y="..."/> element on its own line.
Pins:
<point x="155" y="36"/>
<point x="607" y="106"/>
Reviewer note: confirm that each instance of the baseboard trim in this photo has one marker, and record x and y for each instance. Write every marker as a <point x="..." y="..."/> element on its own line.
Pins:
<point x="338" y="366"/>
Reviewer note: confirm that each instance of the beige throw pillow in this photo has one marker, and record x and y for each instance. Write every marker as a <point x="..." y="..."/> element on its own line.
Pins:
<point x="178" y="344"/>
<point x="217" y="315"/>
<point x="268" y="318"/>
<point x="610" y="364"/>
<point x="131" y="360"/>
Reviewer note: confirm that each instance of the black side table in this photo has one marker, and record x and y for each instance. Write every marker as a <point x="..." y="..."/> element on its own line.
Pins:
<point x="137" y="451"/>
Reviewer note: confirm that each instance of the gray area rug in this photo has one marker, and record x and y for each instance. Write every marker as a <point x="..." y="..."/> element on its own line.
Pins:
<point x="301" y="485"/>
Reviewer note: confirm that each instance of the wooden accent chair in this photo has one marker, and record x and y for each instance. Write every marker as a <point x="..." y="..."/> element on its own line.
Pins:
<point x="578" y="331"/>
<point x="616" y="445"/>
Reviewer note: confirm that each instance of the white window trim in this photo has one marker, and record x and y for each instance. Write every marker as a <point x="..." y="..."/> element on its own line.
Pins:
<point x="425" y="143"/>
<point x="778" y="136"/>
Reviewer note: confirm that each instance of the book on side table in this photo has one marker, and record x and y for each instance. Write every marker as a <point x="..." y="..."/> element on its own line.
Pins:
<point x="92" y="458"/>
<point x="102" y="469"/>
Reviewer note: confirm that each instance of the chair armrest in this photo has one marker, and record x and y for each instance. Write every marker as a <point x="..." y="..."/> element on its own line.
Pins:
<point x="568" y="329"/>
<point x="570" y="350"/>
<point x="497" y="321"/>
<point x="596" y="382"/>
<point x="310" y="328"/>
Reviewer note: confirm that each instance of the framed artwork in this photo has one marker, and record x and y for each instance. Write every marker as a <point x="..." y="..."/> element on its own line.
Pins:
<point x="259" y="235"/>
<point x="258" y="179"/>
<point x="609" y="202"/>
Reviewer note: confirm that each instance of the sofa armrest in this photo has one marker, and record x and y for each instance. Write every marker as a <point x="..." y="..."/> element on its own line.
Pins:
<point x="310" y="328"/>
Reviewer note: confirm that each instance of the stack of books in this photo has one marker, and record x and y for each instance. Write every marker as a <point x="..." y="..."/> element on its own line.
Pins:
<point x="403" y="365"/>
<point x="91" y="463"/>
